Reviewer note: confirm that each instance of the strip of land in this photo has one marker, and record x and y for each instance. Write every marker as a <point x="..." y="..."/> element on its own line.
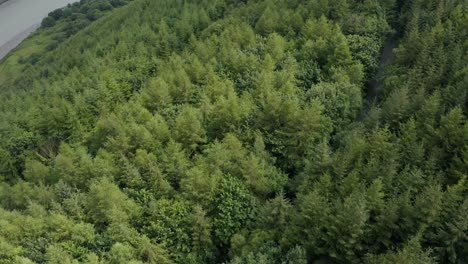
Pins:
<point x="16" y="40"/>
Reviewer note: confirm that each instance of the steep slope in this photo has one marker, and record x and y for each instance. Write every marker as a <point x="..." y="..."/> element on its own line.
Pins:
<point x="172" y="131"/>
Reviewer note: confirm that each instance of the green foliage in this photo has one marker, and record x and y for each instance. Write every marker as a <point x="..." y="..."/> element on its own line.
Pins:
<point x="170" y="131"/>
<point x="107" y="204"/>
<point x="188" y="129"/>
<point x="168" y="224"/>
<point x="411" y="253"/>
<point x="232" y="209"/>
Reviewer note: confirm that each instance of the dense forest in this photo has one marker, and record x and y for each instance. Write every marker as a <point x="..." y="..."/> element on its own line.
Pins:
<point x="237" y="132"/>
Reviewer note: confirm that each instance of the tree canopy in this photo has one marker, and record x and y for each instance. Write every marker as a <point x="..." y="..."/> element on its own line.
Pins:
<point x="220" y="131"/>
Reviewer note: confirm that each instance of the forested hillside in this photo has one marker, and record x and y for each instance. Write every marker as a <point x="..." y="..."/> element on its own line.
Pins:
<point x="237" y="132"/>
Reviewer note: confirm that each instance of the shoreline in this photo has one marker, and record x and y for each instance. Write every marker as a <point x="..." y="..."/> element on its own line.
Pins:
<point x="12" y="43"/>
<point x="6" y="48"/>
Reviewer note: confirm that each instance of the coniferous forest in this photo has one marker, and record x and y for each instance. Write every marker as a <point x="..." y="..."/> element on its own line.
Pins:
<point x="237" y="132"/>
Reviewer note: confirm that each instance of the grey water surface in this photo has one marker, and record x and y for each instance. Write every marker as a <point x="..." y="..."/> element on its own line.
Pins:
<point x="19" y="18"/>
